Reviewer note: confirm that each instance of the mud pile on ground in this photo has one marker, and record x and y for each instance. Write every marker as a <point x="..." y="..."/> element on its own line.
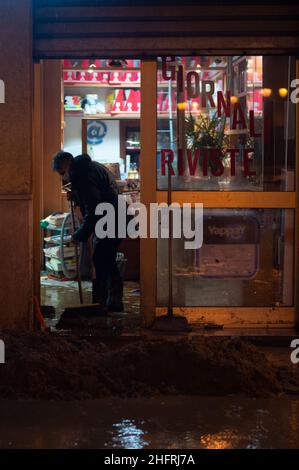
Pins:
<point x="47" y="365"/>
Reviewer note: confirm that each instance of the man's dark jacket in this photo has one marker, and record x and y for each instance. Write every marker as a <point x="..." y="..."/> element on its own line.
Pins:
<point x="92" y="184"/>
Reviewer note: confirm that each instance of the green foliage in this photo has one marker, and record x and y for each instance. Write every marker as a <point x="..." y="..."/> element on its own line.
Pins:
<point x="206" y="132"/>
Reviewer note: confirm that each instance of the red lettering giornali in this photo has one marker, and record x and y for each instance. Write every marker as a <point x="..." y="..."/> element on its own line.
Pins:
<point x="168" y="71"/>
<point x="180" y="79"/>
<point x="221" y="103"/>
<point x="192" y="90"/>
<point x="207" y="94"/>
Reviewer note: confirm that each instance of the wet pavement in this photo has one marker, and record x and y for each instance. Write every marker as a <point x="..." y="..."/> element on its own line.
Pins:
<point x="161" y="422"/>
<point x="62" y="294"/>
<point x="166" y="422"/>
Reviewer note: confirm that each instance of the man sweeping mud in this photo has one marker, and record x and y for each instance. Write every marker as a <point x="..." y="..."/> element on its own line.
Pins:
<point x="92" y="183"/>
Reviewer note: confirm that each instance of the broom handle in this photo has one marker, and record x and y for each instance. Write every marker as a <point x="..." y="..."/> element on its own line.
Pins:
<point x="77" y="256"/>
<point x="170" y="293"/>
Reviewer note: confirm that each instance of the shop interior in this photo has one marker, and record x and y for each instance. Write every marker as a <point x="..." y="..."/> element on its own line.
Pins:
<point x="100" y="116"/>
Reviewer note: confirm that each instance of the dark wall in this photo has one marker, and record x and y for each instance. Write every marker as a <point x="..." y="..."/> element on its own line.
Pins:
<point x="15" y="164"/>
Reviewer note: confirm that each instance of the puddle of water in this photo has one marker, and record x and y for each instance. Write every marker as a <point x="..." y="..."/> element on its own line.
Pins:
<point x="62" y="294"/>
<point x="167" y="422"/>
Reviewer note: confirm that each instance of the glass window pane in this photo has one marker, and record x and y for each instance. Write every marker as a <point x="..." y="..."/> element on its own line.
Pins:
<point x="246" y="260"/>
<point x="226" y="123"/>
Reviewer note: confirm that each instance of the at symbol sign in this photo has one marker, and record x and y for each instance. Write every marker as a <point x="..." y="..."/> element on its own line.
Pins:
<point x="96" y="131"/>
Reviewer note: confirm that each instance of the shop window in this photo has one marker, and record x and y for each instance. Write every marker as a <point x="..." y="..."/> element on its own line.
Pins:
<point x="246" y="260"/>
<point x="226" y="123"/>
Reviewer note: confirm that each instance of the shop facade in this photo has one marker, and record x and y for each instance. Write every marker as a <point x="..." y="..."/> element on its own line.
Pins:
<point x="216" y="111"/>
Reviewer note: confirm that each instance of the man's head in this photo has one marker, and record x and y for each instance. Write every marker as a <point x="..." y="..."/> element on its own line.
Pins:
<point x="61" y="163"/>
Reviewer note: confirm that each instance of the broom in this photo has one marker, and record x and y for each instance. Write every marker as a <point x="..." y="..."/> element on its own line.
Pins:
<point x="170" y="322"/>
<point x="82" y="310"/>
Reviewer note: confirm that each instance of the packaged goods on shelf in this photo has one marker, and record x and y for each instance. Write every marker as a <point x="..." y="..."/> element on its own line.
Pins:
<point x="58" y="263"/>
<point x="53" y="221"/>
<point x="55" y="265"/>
<point x="72" y="103"/>
<point x="55" y="252"/>
<point x="55" y="239"/>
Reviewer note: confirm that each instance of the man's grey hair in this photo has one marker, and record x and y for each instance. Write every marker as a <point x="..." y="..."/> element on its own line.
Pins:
<point x="60" y="159"/>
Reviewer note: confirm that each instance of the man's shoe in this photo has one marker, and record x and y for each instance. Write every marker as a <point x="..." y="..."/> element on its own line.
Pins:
<point x="115" y="297"/>
<point x="115" y="307"/>
<point x="100" y="294"/>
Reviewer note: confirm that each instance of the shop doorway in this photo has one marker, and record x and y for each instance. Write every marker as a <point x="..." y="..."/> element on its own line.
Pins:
<point x="99" y="115"/>
<point x="250" y="281"/>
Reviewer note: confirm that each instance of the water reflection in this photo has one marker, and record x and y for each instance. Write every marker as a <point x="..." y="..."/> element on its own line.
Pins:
<point x="221" y="440"/>
<point x="157" y="423"/>
<point x="127" y="435"/>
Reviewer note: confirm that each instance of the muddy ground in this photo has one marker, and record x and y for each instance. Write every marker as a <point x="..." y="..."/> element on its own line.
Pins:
<point x="53" y="366"/>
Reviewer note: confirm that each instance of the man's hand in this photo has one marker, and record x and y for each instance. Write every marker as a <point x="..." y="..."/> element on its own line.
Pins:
<point x="75" y="238"/>
<point x="71" y="196"/>
<point x="81" y="234"/>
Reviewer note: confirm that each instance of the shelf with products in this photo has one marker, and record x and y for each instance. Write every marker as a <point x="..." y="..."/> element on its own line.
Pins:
<point x="122" y="116"/>
<point x="111" y="85"/>
<point x="102" y="77"/>
<point x="102" y="85"/>
<point x="118" y="101"/>
<point x="58" y="249"/>
<point x="101" y="63"/>
<point x="122" y="103"/>
<point x="109" y="79"/>
<point x="130" y="187"/>
<point x="103" y="115"/>
<point x="130" y="145"/>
